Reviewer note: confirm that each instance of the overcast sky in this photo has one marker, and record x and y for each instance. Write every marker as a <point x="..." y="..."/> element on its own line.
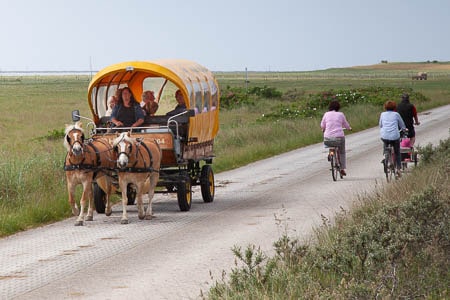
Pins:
<point x="227" y="35"/>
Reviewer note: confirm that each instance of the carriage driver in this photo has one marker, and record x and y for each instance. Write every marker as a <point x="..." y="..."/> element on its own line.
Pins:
<point x="127" y="112"/>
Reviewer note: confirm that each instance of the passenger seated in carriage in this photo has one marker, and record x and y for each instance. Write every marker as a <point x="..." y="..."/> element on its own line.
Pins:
<point x="181" y="106"/>
<point x="112" y="101"/>
<point x="128" y="112"/>
<point x="149" y="104"/>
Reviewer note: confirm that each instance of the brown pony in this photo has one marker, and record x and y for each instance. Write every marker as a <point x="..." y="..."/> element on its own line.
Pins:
<point x="138" y="162"/>
<point x="85" y="162"/>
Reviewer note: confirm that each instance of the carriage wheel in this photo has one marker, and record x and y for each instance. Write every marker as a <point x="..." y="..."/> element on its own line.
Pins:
<point x="131" y="194"/>
<point x="207" y="184"/>
<point x="99" y="199"/>
<point x="184" y="194"/>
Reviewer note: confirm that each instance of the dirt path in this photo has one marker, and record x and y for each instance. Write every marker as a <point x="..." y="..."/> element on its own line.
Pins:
<point x="171" y="256"/>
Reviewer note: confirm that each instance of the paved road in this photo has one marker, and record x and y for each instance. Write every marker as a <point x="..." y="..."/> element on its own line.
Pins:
<point x="179" y="254"/>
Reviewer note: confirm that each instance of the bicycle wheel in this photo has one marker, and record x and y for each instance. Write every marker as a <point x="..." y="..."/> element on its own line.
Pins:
<point x="386" y="165"/>
<point x="338" y="164"/>
<point x="392" y="173"/>
<point x="334" y="170"/>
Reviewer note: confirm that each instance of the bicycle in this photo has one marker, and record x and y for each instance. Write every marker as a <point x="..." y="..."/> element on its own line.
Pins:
<point x="334" y="159"/>
<point x="389" y="160"/>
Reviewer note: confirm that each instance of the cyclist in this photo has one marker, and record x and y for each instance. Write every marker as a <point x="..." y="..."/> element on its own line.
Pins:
<point x="333" y="135"/>
<point x="390" y="123"/>
<point x="408" y="112"/>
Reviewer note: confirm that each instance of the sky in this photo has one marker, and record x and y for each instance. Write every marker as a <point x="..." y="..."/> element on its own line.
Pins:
<point x="227" y="35"/>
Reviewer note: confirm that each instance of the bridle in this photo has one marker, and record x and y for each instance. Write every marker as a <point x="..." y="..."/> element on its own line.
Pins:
<point x="79" y="139"/>
<point x="129" y="150"/>
<point x="86" y="147"/>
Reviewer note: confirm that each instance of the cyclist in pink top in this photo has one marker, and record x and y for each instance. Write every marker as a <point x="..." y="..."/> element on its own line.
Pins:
<point x="332" y="125"/>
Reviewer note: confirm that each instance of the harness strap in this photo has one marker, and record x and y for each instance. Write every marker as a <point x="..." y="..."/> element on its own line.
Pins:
<point x="148" y="151"/>
<point x="79" y="167"/>
<point x="138" y="170"/>
<point x="96" y="151"/>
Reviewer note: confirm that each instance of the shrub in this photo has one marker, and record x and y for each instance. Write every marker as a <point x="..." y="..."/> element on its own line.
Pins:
<point x="293" y="95"/>
<point x="234" y="98"/>
<point x="314" y="105"/>
<point x="266" y="92"/>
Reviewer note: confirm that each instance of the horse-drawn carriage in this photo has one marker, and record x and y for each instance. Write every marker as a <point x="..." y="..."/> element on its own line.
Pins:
<point x="186" y="139"/>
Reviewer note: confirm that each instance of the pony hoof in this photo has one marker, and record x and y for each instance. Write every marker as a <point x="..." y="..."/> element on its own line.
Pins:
<point x="79" y="223"/>
<point x="141" y="217"/>
<point x="148" y="217"/>
<point x="75" y="212"/>
<point x="124" y="222"/>
<point x="90" y="218"/>
<point x="108" y="213"/>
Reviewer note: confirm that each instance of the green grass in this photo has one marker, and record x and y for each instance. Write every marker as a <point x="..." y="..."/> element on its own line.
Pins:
<point x="32" y="190"/>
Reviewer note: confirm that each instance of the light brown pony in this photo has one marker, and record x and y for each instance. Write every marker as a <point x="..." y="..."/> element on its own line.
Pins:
<point x="86" y="161"/>
<point x="138" y="162"/>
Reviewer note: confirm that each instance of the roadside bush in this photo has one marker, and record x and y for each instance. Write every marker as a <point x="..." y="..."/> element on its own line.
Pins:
<point x="427" y="152"/>
<point x="55" y="134"/>
<point x="293" y="95"/>
<point x="266" y="92"/>
<point x="234" y="97"/>
<point x="314" y="105"/>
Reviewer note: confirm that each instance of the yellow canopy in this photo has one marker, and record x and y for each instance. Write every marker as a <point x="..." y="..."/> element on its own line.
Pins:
<point x="196" y="83"/>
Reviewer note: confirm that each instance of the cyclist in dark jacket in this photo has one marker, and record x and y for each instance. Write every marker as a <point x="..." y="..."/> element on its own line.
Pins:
<point x="408" y="113"/>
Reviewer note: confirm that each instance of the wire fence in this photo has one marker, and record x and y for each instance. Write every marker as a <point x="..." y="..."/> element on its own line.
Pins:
<point x="324" y="75"/>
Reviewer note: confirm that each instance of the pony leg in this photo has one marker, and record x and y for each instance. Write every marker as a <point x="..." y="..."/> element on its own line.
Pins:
<point x="151" y="192"/>
<point x="72" y="202"/>
<point x="80" y="219"/>
<point x="104" y="182"/>
<point x="90" y="196"/>
<point x="123" y="187"/>
<point x="108" y="209"/>
<point x="140" y="205"/>
<point x="87" y="195"/>
<point x="109" y="191"/>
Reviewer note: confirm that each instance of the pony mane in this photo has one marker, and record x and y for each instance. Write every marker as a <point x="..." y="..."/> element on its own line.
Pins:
<point x="77" y="125"/>
<point x="124" y="136"/>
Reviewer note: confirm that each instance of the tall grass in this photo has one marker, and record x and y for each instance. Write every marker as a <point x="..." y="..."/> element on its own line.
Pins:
<point x="32" y="190"/>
